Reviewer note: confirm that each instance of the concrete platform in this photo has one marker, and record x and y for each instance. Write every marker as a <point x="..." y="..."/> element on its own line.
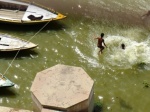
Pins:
<point x="8" y="109"/>
<point x="62" y="88"/>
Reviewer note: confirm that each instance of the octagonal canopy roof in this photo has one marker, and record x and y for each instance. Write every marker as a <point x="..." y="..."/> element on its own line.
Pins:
<point x="62" y="86"/>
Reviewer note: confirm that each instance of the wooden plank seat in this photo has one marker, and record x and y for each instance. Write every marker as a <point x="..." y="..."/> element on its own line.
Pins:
<point x="14" y="14"/>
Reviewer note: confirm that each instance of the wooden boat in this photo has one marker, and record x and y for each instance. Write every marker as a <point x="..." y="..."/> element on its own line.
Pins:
<point x="5" y="82"/>
<point x="10" y="43"/>
<point x="13" y="11"/>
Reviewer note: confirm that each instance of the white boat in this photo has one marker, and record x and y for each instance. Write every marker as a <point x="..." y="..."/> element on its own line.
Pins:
<point x="5" y="82"/>
<point x="23" y="12"/>
<point x="10" y="43"/>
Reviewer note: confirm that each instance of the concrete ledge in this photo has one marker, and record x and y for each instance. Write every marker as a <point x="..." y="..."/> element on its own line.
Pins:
<point x="62" y="88"/>
<point x="8" y="109"/>
<point x="47" y="110"/>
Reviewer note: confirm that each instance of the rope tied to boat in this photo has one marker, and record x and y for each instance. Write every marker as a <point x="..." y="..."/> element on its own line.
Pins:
<point x="25" y="45"/>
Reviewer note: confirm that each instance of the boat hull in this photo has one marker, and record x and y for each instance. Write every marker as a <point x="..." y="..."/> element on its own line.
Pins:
<point x="5" y="82"/>
<point x="10" y="43"/>
<point x="18" y="12"/>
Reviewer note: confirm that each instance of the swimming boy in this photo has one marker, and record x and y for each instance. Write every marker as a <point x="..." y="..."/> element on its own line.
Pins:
<point x="101" y="42"/>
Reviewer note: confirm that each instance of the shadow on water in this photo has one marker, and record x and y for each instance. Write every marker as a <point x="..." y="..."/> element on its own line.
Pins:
<point x="7" y="92"/>
<point x="10" y="55"/>
<point x="142" y="66"/>
<point x="124" y="104"/>
<point x="53" y="25"/>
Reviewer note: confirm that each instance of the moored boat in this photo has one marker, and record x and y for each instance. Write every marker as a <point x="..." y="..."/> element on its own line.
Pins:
<point x="22" y="12"/>
<point x="11" y="43"/>
<point x="5" y="82"/>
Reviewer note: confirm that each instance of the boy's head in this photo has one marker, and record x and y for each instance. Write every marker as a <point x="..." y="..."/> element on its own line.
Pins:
<point x="102" y="34"/>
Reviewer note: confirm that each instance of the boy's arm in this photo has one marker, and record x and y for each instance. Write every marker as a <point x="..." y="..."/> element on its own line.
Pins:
<point x="104" y="43"/>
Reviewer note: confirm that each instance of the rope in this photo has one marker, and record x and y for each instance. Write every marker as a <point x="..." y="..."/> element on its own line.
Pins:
<point x="23" y="46"/>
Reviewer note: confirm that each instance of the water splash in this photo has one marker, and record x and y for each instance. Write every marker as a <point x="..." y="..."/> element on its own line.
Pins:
<point x="92" y="62"/>
<point x="134" y="52"/>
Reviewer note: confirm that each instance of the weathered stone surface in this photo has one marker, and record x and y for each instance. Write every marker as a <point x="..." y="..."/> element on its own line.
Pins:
<point x="62" y="86"/>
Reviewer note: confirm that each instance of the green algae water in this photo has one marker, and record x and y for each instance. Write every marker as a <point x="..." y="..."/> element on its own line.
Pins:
<point x="120" y="76"/>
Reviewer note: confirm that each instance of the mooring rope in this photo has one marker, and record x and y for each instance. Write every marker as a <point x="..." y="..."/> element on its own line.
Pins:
<point x="23" y="46"/>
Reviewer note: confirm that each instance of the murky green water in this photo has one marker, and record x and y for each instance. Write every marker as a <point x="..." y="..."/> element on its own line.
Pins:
<point x="118" y="74"/>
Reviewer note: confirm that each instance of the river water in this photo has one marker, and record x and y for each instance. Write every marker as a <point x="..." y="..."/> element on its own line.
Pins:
<point x="120" y="75"/>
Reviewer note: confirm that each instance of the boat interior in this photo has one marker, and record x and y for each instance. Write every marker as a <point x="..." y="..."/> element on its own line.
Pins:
<point x="2" y="77"/>
<point x="12" y="6"/>
<point x="12" y="10"/>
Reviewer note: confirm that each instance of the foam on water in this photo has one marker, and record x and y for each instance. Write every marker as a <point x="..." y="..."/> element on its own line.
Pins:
<point x="134" y="53"/>
<point x="92" y="62"/>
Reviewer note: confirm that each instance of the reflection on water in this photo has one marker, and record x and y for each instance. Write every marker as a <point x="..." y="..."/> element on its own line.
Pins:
<point x="118" y="74"/>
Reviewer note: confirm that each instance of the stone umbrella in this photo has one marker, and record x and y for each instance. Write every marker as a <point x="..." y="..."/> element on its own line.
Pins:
<point x="63" y="88"/>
